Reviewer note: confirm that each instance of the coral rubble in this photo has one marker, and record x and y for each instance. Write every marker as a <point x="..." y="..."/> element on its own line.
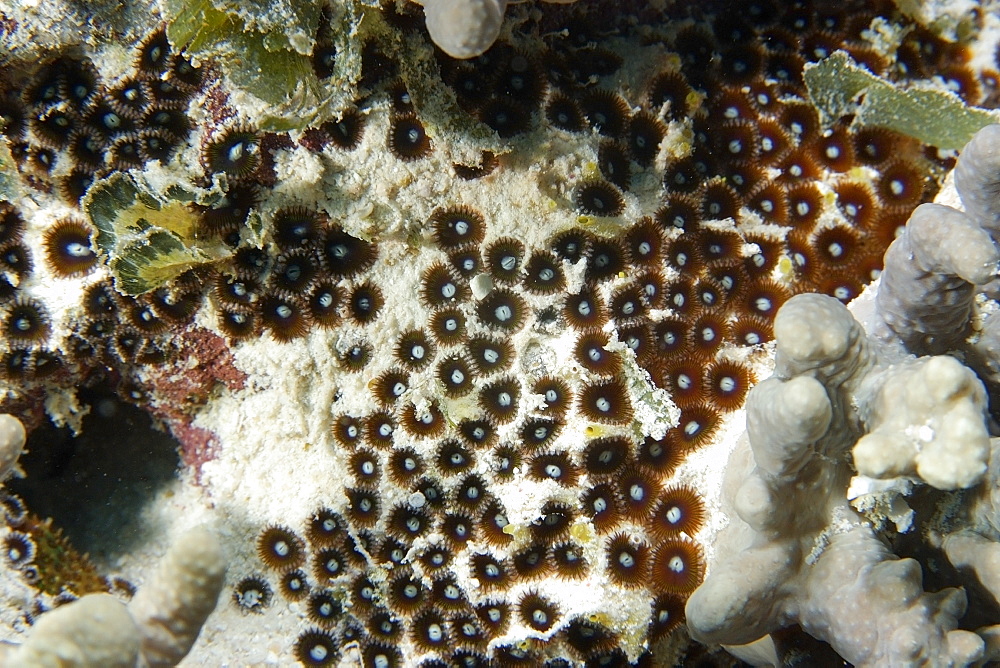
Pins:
<point x="454" y="337"/>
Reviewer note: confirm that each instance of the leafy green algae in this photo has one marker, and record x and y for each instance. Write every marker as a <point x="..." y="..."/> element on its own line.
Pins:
<point x="838" y="86"/>
<point x="269" y="60"/>
<point x="8" y="174"/>
<point x="150" y="239"/>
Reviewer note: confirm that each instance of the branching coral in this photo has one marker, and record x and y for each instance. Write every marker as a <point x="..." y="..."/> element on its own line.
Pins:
<point x="93" y="631"/>
<point x="156" y="629"/>
<point x="812" y="559"/>
<point x="929" y="422"/>
<point x="836" y="392"/>
<point x="927" y="293"/>
<point x="170" y="609"/>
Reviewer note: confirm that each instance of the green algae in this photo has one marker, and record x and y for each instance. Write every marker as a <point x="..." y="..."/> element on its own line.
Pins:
<point x="9" y="181"/>
<point x="270" y="60"/>
<point x="149" y="238"/>
<point x="838" y="86"/>
<point x="267" y="53"/>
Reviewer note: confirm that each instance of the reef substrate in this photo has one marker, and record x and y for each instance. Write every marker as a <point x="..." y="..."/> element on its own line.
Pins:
<point x="454" y="352"/>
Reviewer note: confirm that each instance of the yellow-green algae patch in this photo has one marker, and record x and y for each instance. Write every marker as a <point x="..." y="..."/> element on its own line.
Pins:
<point x="8" y="174"/>
<point x="149" y="239"/>
<point x="838" y="86"/>
<point x="271" y="62"/>
<point x="58" y="565"/>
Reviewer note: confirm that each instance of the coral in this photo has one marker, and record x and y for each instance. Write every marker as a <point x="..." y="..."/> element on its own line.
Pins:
<point x="466" y="28"/>
<point x="156" y="629"/>
<point x="171" y="608"/>
<point x="975" y="179"/>
<point x="12" y="439"/>
<point x="806" y="549"/>
<point x="926" y="294"/>
<point x="841" y="396"/>
<point x="97" y="630"/>
<point x="453" y="349"/>
<point x="928" y="421"/>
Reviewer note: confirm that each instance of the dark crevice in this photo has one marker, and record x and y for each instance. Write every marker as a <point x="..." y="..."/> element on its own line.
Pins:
<point x="96" y="486"/>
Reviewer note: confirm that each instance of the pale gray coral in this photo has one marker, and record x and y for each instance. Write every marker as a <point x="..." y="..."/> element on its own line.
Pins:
<point x="466" y="28"/>
<point x="927" y="290"/>
<point x="967" y="549"/>
<point x="157" y="628"/>
<point x="742" y="599"/>
<point x="796" y="552"/>
<point x="871" y="607"/>
<point x="971" y="540"/>
<point x="977" y="178"/>
<point x="96" y="630"/>
<point x="931" y="273"/>
<point x="927" y="419"/>
<point x="12" y="439"/>
<point x="171" y="609"/>
<point x="984" y="352"/>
